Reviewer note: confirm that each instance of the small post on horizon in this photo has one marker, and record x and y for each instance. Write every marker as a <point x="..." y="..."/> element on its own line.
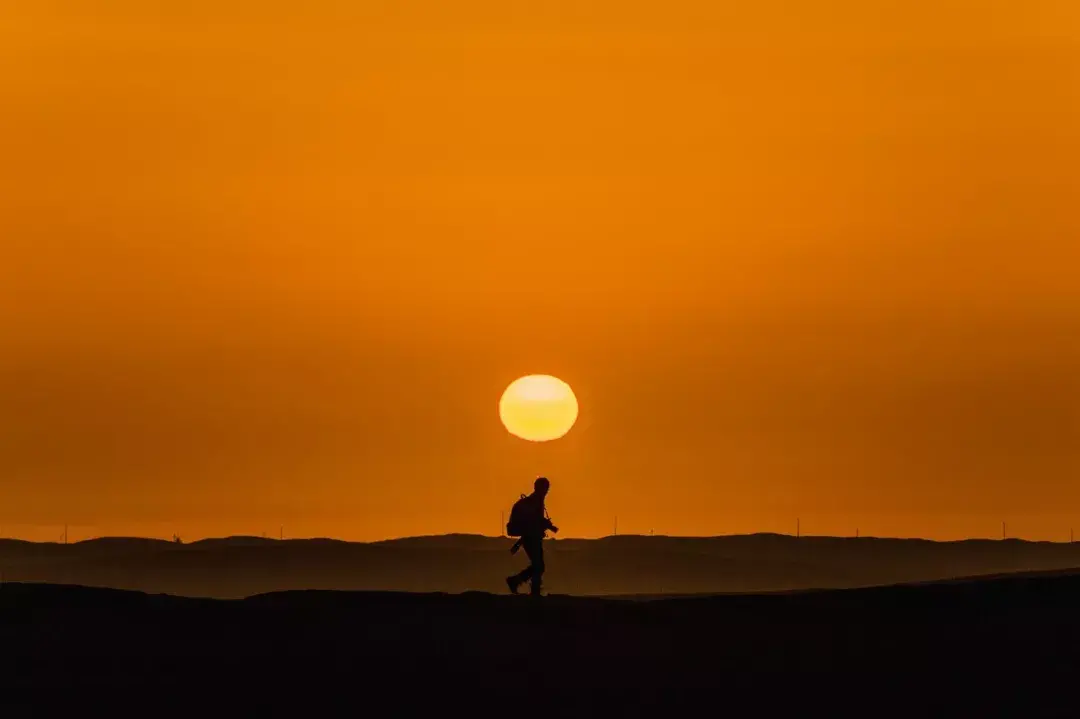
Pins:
<point x="65" y="534"/>
<point x="616" y="526"/>
<point x="1003" y="535"/>
<point x="281" y="533"/>
<point x="798" y="528"/>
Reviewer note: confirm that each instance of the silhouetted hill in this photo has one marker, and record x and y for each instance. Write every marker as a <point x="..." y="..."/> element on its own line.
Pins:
<point x="242" y="566"/>
<point x="1000" y="646"/>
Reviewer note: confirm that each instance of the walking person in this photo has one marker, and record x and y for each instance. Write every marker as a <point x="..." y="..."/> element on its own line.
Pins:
<point x="529" y="522"/>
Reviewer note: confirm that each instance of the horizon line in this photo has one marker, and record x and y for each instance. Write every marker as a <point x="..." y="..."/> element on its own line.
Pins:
<point x="446" y="535"/>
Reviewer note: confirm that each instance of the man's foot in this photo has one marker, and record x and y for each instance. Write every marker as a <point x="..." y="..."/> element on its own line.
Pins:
<point x="512" y="583"/>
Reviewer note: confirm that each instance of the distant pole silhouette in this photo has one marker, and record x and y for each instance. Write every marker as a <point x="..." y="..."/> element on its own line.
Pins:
<point x="281" y="533"/>
<point x="616" y="525"/>
<point x="65" y="534"/>
<point x="798" y="528"/>
<point x="1070" y="536"/>
<point x="1003" y="535"/>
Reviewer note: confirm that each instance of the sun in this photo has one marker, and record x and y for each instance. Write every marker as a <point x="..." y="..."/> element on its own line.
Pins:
<point x="538" y="408"/>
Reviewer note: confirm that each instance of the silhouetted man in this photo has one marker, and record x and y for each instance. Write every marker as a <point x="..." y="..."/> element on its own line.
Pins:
<point x="529" y="521"/>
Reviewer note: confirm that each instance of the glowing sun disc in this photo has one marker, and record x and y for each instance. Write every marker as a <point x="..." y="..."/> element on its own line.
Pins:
<point x="538" y="408"/>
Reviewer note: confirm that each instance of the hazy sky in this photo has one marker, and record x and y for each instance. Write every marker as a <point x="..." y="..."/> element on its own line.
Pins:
<point x="273" y="263"/>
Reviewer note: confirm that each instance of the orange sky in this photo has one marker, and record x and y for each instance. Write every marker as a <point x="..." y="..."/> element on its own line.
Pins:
<point x="273" y="263"/>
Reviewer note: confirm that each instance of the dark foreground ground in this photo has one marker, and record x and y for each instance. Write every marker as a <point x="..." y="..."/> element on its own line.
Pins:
<point x="1005" y="646"/>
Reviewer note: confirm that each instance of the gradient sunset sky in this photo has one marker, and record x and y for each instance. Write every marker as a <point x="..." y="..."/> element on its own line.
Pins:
<point x="273" y="263"/>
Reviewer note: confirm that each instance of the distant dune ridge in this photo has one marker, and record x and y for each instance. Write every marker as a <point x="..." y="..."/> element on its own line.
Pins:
<point x="235" y="567"/>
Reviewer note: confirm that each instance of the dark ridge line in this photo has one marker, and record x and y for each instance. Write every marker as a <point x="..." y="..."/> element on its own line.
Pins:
<point x="269" y="599"/>
<point x="965" y="580"/>
<point x="271" y="541"/>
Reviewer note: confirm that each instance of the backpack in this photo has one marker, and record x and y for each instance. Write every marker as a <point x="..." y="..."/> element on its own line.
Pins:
<point x="519" y="519"/>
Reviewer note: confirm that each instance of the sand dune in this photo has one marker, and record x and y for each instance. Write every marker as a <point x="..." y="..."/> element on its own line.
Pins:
<point x="625" y="565"/>
<point x="1000" y="646"/>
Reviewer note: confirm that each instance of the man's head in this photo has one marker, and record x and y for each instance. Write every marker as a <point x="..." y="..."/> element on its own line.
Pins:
<point x="541" y="486"/>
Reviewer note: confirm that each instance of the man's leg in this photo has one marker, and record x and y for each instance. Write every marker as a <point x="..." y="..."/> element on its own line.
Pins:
<point x="525" y="574"/>
<point x="534" y="548"/>
<point x="516" y="580"/>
